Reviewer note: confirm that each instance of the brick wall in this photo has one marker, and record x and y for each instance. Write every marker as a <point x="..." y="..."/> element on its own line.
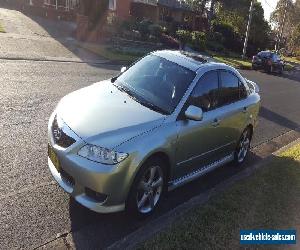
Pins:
<point x="123" y="9"/>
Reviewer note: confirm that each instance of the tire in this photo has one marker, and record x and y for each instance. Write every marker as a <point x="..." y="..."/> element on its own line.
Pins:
<point x="148" y="188"/>
<point x="243" y="146"/>
<point x="268" y="69"/>
<point x="281" y="71"/>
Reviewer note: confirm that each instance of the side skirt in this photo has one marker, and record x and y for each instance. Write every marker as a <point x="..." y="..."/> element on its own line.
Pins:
<point x="196" y="174"/>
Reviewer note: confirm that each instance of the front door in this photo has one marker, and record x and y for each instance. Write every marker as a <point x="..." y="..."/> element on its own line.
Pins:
<point x="198" y="141"/>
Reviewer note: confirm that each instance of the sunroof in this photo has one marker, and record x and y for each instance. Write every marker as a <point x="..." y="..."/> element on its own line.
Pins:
<point x="196" y="57"/>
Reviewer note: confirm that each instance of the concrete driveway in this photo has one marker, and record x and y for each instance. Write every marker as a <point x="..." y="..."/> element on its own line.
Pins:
<point x="35" y="38"/>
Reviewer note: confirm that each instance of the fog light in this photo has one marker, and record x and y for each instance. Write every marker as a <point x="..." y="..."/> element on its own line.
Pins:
<point x="95" y="195"/>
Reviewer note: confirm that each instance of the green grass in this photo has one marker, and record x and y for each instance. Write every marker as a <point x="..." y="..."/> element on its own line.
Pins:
<point x="288" y="66"/>
<point x="235" y="62"/>
<point x="268" y="199"/>
<point x="1" y="29"/>
<point x="109" y="54"/>
<point x="291" y="60"/>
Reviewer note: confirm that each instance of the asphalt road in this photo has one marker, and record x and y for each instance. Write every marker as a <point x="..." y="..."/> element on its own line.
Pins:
<point x="33" y="209"/>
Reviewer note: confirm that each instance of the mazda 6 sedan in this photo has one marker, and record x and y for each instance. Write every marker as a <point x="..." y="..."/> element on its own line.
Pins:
<point x="171" y="117"/>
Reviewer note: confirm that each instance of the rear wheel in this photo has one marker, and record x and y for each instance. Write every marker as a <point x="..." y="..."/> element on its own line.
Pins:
<point x="281" y="71"/>
<point x="148" y="188"/>
<point x="243" y="146"/>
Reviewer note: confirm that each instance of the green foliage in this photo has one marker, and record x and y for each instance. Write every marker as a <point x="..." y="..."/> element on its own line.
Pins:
<point x="143" y="28"/>
<point x="128" y="25"/>
<point x="215" y="46"/>
<point x="217" y="36"/>
<point x="231" y="21"/>
<point x="184" y="36"/>
<point x="198" y="40"/>
<point x="295" y="39"/>
<point x="260" y="29"/>
<point x="231" y="39"/>
<point x="197" y="5"/>
<point x="155" y="30"/>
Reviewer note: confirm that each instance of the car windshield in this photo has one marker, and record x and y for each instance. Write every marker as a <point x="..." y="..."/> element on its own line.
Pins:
<point x="156" y="83"/>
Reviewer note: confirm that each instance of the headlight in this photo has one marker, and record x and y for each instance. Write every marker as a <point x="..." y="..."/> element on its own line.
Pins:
<point x="101" y="155"/>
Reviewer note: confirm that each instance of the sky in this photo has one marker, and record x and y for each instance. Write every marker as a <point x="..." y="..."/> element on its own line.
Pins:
<point x="269" y="6"/>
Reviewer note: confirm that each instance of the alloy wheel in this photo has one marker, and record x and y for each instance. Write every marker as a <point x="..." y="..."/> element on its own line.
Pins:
<point x="149" y="189"/>
<point x="243" y="146"/>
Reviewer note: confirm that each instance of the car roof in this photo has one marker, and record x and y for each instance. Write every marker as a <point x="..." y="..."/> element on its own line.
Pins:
<point x="267" y="52"/>
<point x="188" y="60"/>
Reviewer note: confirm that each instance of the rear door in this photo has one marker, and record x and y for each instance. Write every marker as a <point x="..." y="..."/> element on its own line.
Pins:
<point x="231" y="111"/>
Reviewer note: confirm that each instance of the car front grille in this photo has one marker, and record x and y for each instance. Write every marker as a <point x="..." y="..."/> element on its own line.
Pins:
<point x="60" y="137"/>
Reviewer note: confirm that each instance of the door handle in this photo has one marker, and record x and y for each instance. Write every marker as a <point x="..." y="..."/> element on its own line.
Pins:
<point x="216" y="122"/>
<point x="245" y="109"/>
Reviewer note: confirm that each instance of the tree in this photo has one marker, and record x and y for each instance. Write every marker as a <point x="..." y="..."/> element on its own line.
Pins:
<point x="197" y="5"/>
<point x="282" y="18"/>
<point x="235" y="14"/>
<point x="295" y="39"/>
<point x="260" y="29"/>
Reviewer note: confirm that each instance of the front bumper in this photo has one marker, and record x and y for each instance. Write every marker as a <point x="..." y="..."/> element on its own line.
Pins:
<point x="99" y="187"/>
<point x="77" y="190"/>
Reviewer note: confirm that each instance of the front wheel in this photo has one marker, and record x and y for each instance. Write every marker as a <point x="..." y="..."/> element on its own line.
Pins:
<point x="147" y="189"/>
<point x="243" y="147"/>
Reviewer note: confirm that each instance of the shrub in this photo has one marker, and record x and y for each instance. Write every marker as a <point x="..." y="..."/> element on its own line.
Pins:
<point x="169" y="41"/>
<point x="217" y="37"/>
<point x="129" y="25"/>
<point x="198" y="40"/>
<point x="143" y="28"/>
<point x="184" y="36"/>
<point x="155" y="30"/>
<point x="231" y="39"/>
<point x="215" y="46"/>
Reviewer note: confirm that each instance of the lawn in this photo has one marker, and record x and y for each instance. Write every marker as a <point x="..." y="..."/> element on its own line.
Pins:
<point x="1" y="29"/>
<point x="292" y="60"/>
<point x="269" y="199"/>
<point x="235" y="62"/>
<point x="110" y="54"/>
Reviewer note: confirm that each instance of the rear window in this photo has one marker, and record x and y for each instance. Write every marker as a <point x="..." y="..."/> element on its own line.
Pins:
<point x="264" y="54"/>
<point x="276" y="57"/>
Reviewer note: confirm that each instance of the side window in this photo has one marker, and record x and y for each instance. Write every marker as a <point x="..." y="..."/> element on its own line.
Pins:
<point x="243" y="91"/>
<point x="229" y="90"/>
<point x="205" y="92"/>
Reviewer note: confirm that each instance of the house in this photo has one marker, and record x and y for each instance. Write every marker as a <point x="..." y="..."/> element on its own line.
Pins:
<point x="53" y="9"/>
<point x="168" y="11"/>
<point x="93" y="14"/>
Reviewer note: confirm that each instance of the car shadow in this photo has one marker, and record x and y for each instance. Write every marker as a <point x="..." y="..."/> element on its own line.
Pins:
<point x="279" y="119"/>
<point x="293" y="75"/>
<point x="91" y="230"/>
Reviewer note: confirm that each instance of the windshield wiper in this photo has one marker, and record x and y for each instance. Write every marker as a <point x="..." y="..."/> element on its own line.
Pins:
<point x="153" y="107"/>
<point x="141" y="100"/>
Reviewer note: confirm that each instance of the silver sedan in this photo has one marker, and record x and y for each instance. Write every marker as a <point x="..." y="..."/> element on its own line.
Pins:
<point x="168" y="119"/>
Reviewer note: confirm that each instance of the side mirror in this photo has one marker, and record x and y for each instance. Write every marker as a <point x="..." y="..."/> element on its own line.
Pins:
<point x="194" y="113"/>
<point x="123" y="69"/>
